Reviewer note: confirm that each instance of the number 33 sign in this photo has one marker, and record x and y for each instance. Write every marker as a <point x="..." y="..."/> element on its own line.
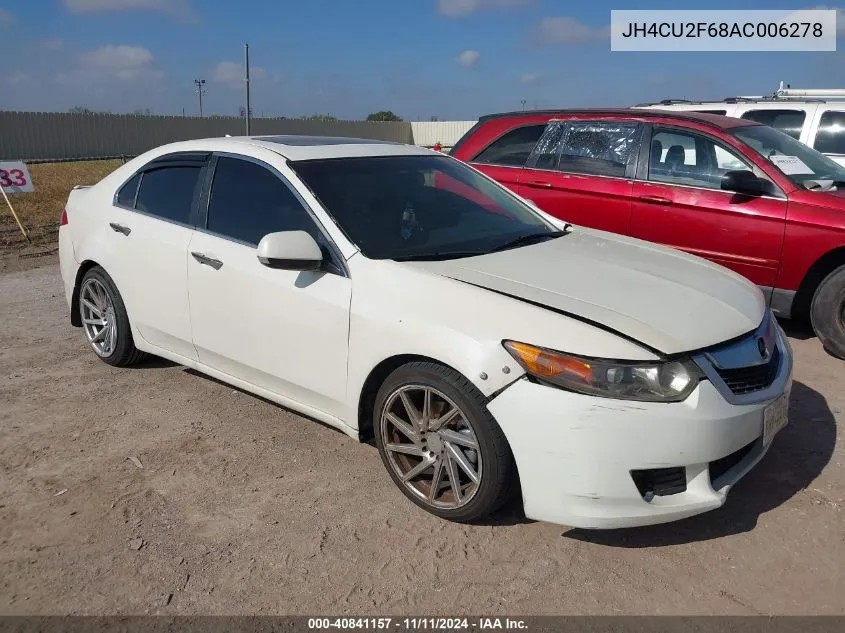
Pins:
<point x="14" y="178"/>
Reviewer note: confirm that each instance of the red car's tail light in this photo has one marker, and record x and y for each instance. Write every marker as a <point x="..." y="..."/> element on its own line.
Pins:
<point x="63" y="219"/>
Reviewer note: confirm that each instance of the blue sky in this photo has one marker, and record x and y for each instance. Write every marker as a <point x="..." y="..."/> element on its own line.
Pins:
<point x="454" y="59"/>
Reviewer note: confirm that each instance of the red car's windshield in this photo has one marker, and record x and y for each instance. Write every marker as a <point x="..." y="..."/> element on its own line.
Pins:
<point x="798" y="162"/>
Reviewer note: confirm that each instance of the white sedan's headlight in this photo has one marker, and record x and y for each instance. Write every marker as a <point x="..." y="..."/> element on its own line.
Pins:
<point x="670" y="381"/>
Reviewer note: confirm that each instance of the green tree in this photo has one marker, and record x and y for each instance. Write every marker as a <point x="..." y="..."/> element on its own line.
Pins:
<point x="320" y="117"/>
<point x="383" y="115"/>
<point x="84" y="110"/>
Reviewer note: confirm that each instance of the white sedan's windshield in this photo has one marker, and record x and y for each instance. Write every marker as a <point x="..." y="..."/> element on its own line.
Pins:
<point x="420" y="207"/>
<point x="800" y="163"/>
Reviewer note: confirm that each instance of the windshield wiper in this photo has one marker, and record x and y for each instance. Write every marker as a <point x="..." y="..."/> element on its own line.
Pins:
<point x="526" y="240"/>
<point x="436" y="256"/>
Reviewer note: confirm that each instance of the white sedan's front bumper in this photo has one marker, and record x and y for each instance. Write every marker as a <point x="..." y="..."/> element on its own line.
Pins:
<point x="575" y="453"/>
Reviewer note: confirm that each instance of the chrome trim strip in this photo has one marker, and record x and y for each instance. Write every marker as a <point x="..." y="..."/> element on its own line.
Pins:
<point x="731" y="193"/>
<point x="749" y="351"/>
<point x="477" y="165"/>
<point x="632" y="180"/>
<point x="734" y="355"/>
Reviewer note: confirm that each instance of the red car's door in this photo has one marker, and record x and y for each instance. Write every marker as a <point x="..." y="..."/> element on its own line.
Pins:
<point x="681" y="204"/>
<point x="582" y="172"/>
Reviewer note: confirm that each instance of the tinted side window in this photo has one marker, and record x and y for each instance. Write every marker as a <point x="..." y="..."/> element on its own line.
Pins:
<point x="513" y="148"/>
<point x="598" y="148"/>
<point x="830" y="139"/>
<point x="126" y="195"/>
<point x="680" y="158"/>
<point x="248" y="201"/>
<point x="169" y="192"/>
<point x="722" y="112"/>
<point x="789" y="121"/>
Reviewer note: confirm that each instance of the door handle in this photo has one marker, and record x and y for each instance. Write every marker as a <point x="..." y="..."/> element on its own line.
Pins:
<point x="119" y="228"/>
<point x="208" y="260"/>
<point x="655" y="200"/>
<point x="539" y="183"/>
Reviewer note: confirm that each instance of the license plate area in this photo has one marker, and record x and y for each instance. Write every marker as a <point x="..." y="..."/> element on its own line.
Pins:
<point x="775" y="417"/>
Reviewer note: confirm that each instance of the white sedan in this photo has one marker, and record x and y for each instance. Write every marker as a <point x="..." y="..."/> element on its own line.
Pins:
<point x="395" y="292"/>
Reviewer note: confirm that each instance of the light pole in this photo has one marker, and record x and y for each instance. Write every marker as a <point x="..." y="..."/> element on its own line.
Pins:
<point x="200" y="83"/>
<point x="246" y="65"/>
<point x="523" y="105"/>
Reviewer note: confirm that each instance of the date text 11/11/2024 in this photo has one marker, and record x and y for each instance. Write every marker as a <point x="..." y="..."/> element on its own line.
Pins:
<point x="417" y="624"/>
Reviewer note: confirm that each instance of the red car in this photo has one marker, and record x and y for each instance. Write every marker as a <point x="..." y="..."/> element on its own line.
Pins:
<point x="741" y="194"/>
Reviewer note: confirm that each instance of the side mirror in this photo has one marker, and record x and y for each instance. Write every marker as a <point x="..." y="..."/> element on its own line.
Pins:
<point x="744" y="182"/>
<point x="290" y="250"/>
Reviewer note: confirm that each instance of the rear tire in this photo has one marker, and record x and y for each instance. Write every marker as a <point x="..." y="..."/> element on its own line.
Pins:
<point x="105" y="321"/>
<point x="827" y="312"/>
<point x="453" y="436"/>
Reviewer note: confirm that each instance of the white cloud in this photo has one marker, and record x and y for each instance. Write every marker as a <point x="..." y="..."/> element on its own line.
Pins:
<point x="840" y="17"/>
<point x="122" y="61"/>
<point x="6" y="17"/>
<point x="567" y="30"/>
<point x="176" y="8"/>
<point x="231" y="74"/>
<point x="461" y="8"/>
<point x="528" y="78"/>
<point x="468" y="59"/>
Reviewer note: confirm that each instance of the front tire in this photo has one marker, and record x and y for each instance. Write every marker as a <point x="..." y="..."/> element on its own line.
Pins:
<point x="440" y="444"/>
<point x="105" y="321"/>
<point x="827" y="312"/>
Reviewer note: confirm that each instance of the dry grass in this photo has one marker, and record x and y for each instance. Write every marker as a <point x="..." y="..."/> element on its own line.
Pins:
<point x="39" y="211"/>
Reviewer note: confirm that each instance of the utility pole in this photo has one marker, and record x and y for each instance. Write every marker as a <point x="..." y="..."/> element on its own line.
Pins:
<point x="200" y="83"/>
<point x="246" y="66"/>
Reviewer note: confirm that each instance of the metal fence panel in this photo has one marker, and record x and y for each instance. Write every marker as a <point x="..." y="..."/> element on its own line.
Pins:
<point x="447" y="133"/>
<point x="32" y="136"/>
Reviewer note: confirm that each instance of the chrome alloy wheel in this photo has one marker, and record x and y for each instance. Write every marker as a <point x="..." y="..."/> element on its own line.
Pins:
<point x="98" y="317"/>
<point x="431" y="446"/>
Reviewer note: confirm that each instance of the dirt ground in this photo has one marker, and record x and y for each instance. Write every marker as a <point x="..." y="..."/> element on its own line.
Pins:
<point x="242" y="507"/>
<point x="40" y="210"/>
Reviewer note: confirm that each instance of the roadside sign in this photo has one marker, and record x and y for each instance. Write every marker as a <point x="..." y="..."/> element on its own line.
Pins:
<point x="15" y="178"/>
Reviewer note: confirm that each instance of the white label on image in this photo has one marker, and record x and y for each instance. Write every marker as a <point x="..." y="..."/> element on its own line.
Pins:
<point x="14" y="177"/>
<point x="790" y="165"/>
<point x="723" y="30"/>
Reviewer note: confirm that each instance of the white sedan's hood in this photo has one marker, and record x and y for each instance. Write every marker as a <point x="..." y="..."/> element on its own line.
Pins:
<point x="665" y="299"/>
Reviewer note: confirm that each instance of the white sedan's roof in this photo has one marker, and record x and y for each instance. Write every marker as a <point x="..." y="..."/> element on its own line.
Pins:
<point x="313" y="147"/>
